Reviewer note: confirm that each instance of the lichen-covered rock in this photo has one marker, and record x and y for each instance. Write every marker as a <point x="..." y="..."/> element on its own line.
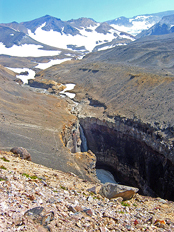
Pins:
<point x="21" y="152"/>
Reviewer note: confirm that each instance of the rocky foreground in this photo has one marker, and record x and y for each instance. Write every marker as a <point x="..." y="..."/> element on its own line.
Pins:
<point x="37" y="198"/>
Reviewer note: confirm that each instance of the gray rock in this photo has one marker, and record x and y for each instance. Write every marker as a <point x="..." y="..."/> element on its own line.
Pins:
<point x="47" y="218"/>
<point x="111" y="190"/>
<point x="21" y="152"/>
<point x="36" y="214"/>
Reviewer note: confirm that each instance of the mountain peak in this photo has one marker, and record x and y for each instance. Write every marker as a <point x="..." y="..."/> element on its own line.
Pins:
<point x="82" y="22"/>
<point x="48" y="17"/>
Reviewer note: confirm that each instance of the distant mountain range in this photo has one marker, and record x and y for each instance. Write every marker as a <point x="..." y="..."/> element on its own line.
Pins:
<point x="48" y="35"/>
<point x="164" y="26"/>
<point x="137" y="24"/>
<point x="84" y="35"/>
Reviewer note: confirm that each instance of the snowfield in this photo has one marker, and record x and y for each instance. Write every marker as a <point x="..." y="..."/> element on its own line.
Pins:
<point x="88" y="37"/>
<point x="26" y="50"/>
<point x="24" y="78"/>
<point x="139" y="24"/>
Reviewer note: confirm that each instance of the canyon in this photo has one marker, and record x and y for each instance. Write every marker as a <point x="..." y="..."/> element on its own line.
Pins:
<point x="120" y="117"/>
<point x="133" y="152"/>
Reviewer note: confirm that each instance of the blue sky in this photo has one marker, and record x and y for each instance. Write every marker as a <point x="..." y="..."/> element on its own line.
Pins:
<point x="99" y="10"/>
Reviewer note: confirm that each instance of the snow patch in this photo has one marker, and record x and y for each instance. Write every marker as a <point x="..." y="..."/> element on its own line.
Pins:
<point x="68" y="87"/>
<point x="105" y="48"/>
<point x="111" y="46"/>
<point x="24" y="78"/>
<point x="26" y="50"/>
<point x="105" y="176"/>
<point x="51" y="63"/>
<point x="142" y="17"/>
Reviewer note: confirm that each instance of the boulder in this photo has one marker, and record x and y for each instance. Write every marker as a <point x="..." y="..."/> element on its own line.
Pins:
<point x="111" y="190"/>
<point x="21" y="152"/>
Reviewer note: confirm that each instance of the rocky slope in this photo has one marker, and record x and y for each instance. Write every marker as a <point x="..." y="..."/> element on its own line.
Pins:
<point x="37" y="198"/>
<point x="34" y="120"/>
<point x="124" y="104"/>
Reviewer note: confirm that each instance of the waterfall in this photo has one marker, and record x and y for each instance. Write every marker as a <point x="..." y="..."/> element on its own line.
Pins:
<point x="84" y="146"/>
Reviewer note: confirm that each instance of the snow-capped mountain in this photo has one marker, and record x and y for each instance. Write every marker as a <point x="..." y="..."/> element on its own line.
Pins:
<point x="47" y="36"/>
<point x="164" y="26"/>
<point x="16" y="43"/>
<point x="138" y="23"/>
<point x="82" y="34"/>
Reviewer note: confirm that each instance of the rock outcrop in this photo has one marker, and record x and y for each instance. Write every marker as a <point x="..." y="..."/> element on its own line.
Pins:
<point x="71" y="136"/>
<point x="52" y="86"/>
<point x="21" y="152"/>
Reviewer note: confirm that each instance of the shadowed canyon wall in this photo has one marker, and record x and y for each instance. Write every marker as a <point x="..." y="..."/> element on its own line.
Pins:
<point x="134" y="153"/>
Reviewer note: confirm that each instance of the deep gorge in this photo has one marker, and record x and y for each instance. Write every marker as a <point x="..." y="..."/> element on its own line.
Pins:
<point x="132" y="152"/>
<point x="124" y="149"/>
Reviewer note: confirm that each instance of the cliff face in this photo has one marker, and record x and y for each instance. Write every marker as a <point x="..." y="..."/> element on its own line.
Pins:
<point x="134" y="152"/>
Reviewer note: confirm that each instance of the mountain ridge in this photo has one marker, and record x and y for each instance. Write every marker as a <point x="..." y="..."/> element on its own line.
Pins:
<point x="85" y="34"/>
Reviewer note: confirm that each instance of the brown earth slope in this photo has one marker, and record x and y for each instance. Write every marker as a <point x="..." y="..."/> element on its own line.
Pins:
<point x="35" y="120"/>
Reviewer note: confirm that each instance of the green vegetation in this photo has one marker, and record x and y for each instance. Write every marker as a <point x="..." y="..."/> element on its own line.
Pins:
<point x="2" y="167"/>
<point x="62" y="187"/>
<point x="91" y="193"/>
<point x="24" y="174"/>
<point x="31" y="177"/>
<point x="125" y="204"/>
<point x="4" y="159"/>
<point x="55" y="191"/>
<point x="97" y="197"/>
<point x="121" y="212"/>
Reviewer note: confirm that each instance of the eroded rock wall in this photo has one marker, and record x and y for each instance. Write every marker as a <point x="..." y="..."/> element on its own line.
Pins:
<point x="134" y="152"/>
